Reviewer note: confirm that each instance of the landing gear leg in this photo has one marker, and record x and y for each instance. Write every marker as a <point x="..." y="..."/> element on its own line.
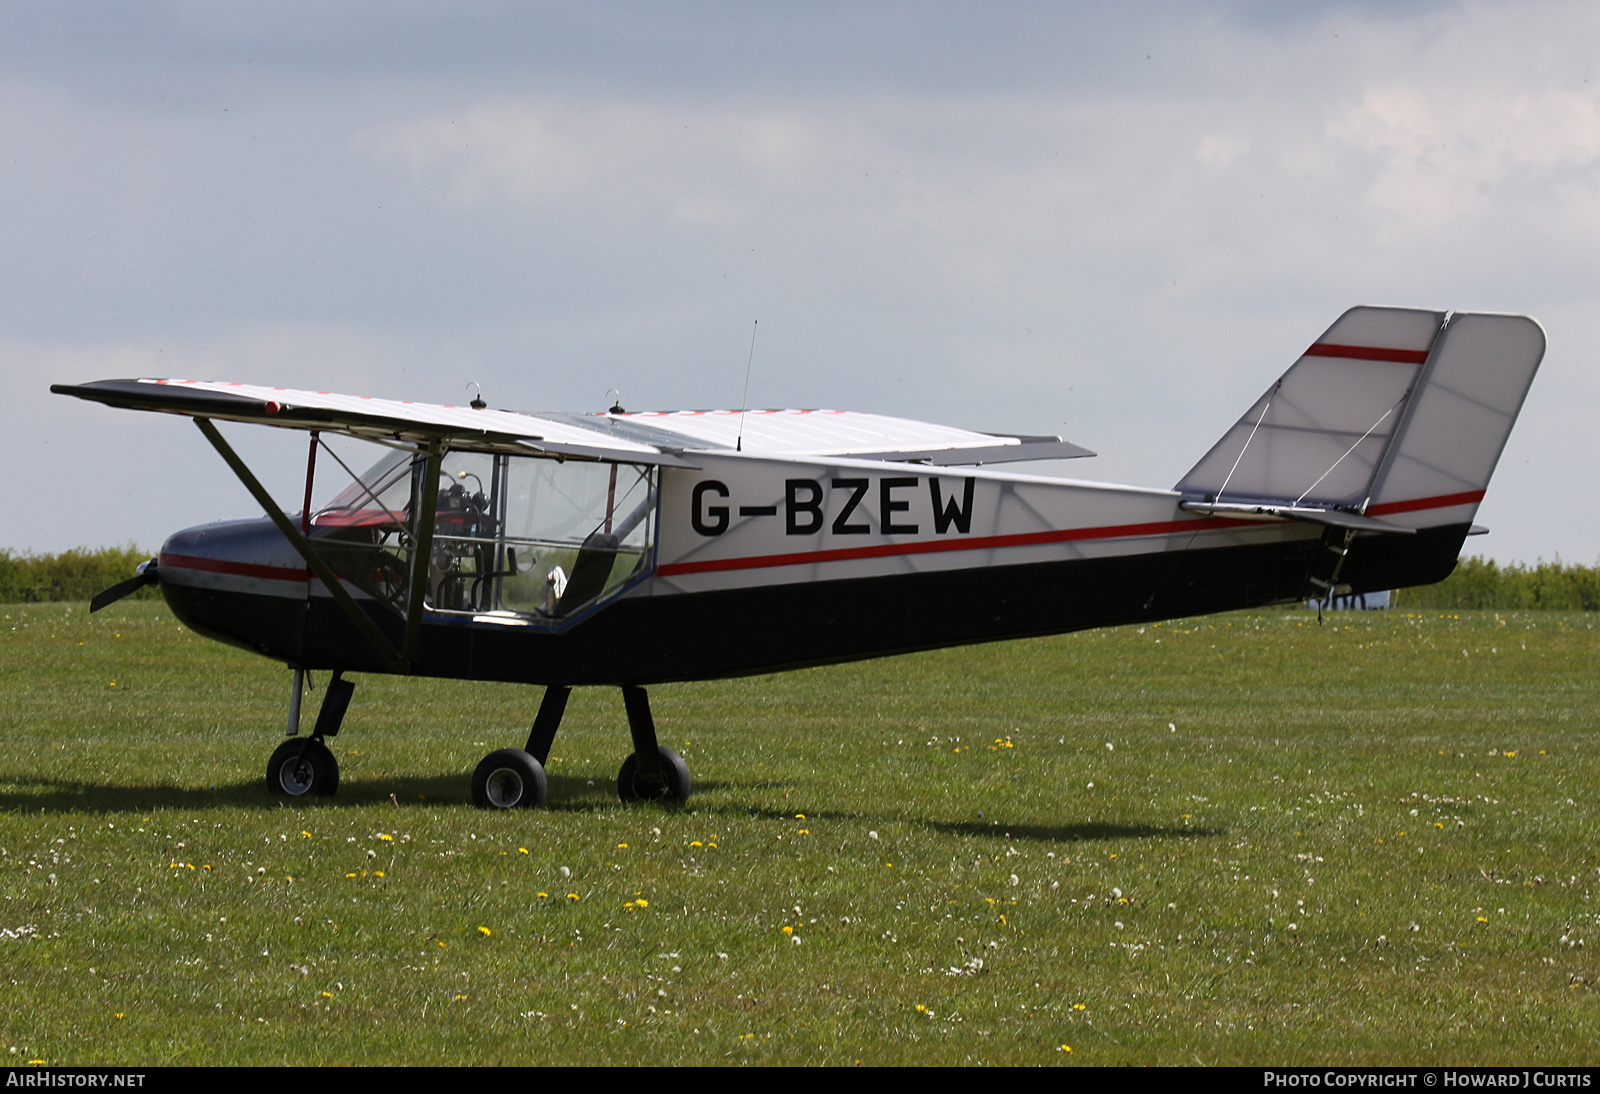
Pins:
<point x="295" y="692"/>
<point x="335" y="701"/>
<point x="547" y="721"/>
<point x="652" y="773"/>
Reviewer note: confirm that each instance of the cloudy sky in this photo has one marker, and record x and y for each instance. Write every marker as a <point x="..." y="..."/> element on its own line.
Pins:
<point x="1118" y="223"/>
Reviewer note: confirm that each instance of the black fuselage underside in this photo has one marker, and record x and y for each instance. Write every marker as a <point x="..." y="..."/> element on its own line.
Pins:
<point x="768" y="628"/>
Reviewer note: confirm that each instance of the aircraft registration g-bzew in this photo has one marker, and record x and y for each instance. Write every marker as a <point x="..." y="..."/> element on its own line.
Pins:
<point x="629" y="549"/>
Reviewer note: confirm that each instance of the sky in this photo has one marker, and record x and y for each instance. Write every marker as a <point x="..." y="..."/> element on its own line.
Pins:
<point x="1115" y="223"/>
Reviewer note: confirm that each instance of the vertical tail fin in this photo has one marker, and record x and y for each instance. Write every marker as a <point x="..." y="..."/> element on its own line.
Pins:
<point x="1394" y="413"/>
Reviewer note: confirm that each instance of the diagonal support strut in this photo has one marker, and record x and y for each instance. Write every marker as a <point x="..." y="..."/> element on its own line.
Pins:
<point x="329" y="579"/>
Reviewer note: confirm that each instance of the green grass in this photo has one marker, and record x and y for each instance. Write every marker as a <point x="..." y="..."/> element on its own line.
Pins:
<point x="1004" y="850"/>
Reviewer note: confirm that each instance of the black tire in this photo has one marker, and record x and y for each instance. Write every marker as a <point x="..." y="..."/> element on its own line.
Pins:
<point x="300" y="768"/>
<point x="631" y="788"/>
<point x="509" y="779"/>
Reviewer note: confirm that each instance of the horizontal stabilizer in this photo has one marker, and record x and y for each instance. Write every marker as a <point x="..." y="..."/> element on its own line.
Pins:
<point x="1334" y="518"/>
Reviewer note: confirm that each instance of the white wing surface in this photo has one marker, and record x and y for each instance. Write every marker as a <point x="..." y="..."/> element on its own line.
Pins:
<point x="669" y="437"/>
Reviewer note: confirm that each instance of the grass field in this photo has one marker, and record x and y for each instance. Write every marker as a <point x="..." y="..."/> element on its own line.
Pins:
<point x="1247" y="839"/>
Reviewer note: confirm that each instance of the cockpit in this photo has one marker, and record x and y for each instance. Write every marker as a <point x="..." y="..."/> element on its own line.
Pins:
<point x="527" y="539"/>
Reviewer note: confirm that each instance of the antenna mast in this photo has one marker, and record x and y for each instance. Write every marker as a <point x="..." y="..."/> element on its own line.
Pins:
<point x="744" y="403"/>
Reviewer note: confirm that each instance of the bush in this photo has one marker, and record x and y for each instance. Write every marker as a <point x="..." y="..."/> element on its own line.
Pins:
<point x="1482" y="583"/>
<point x="72" y="575"/>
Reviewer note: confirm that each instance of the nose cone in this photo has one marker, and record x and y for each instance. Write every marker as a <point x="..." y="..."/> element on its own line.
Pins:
<point x="240" y="582"/>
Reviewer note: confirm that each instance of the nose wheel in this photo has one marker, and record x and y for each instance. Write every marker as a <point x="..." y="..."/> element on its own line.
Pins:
<point x="302" y="767"/>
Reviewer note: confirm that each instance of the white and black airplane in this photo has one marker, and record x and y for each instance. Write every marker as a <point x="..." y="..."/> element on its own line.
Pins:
<point x="629" y="549"/>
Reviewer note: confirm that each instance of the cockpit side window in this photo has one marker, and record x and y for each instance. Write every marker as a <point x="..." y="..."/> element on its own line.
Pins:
<point x="538" y="537"/>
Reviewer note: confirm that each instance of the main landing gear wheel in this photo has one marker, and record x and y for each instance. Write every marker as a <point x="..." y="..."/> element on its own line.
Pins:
<point x="509" y="779"/>
<point x="300" y="768"/>
<point x="632" y="786"/>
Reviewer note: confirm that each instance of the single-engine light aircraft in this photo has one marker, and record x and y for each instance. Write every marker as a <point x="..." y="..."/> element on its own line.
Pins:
<point x="628" y="549"/>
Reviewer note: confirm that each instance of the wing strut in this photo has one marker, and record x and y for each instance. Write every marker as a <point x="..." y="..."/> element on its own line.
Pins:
<point x="423" y="551"/>
<point x="330" y="580"/>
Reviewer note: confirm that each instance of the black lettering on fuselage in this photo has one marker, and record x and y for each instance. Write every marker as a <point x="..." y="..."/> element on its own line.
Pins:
<point x="841" y="525"/>
<point x="699" y="512"/>
<point x="888" y="506"/>
<point x="946" y="513"/>
<point x="802" y="516"/>
<point x="803" y="507"/>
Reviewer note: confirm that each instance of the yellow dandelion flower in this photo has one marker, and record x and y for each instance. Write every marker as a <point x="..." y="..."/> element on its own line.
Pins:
<point x="788" y="930"/>
<point x="120" y="1014"/>
<point x="1079" y="1006"/>
<point x="622" y="846"/>
<point x="696" y="843"/>
<point x="522" y="850"/>
<point x="572" y="896"/>
<point x="377" y="873"/>
<point x="799" y="816"/>
<point x="644" y="904"/>
<point x="921" y="1008"/>
<point x="349" y="875"/>
<point x="484" y="931"/>
<point x="1483" y="919"/>
<point x="805" y="831"/>
<point x="327" y="995"/>
<point x="1064" y="1048"/>
<point x="305" y="835"/>
<point x="385" y="837"/>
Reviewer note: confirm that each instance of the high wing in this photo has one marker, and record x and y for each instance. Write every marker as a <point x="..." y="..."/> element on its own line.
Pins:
<point x="655" y="437"/>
